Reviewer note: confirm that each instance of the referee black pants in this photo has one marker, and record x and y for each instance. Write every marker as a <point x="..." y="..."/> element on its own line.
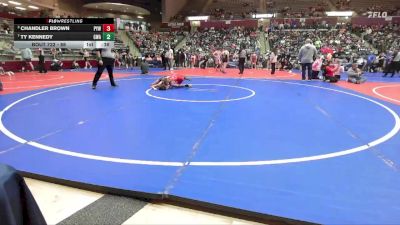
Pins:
<point x="241" y="65"/>
<point x="41" y="67"/>
<point x="108" y="63"/>
<point x="272" y="68"/>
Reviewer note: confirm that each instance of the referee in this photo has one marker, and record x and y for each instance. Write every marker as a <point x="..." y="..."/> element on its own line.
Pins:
<point x="242" y="58"/>
<point x="106" y="59"/>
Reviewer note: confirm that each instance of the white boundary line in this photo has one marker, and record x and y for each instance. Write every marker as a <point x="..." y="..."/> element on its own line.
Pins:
<point x="375" y="90"/>
<point x="102" y="79"/>
<point x="380" y="140"/>
<point x="206" y="101"/>
<point x="25" y="81"/>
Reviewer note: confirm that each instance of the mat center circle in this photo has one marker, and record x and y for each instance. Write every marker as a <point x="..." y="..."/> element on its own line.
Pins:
<point x="206" y="93"/>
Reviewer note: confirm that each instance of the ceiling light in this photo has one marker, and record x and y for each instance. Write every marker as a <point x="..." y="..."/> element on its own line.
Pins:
<point x="116" y="3"/>
<point x="267" y="15"/>
<point x="198" y="17"/>
<point x="14" y="3"/>
<point x="339" y="13"/>
<point x="4" y="4"/>
<point x="33" y="7"/>
<point x="140" y="17"/>
<point x="20" y="8"/>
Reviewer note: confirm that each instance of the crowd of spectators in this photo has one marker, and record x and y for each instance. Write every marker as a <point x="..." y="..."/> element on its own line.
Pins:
<point x="382" y="37"/>
<point x="228" y="39"/>
<point x="342" y="4"/>
<point x="361" y="9"/>
<point x="151" y="43"/>
<point x="293" y="12"/>
<point x="221" y="13"/>
<point x="340" y="43"/>
<point x="301" y="24"/>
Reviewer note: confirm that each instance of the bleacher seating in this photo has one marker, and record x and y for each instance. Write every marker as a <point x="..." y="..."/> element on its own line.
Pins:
<point x="363" y="6"/>
<point x="206" y="41"/>
<point x="343" y="42"/>
<point x="155" y="42"/>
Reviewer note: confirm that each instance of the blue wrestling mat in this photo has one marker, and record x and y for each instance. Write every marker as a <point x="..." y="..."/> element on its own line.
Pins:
<point x="307" y="151"/>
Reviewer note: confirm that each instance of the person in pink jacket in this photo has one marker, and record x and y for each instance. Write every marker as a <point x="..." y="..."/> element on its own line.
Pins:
<point x="316" y="67"/>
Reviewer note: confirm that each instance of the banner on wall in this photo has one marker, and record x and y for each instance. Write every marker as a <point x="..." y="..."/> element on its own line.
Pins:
<point x="176" y="24"/>
<point x="377" y="14"/>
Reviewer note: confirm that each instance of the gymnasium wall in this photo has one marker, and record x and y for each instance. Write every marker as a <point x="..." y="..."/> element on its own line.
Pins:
<point x="68" y="7"/>
<point x="171" y="7"/>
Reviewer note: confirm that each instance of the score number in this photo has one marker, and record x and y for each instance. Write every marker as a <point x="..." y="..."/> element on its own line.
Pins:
<point x="108" y="32"/>
<point x="108" y="28"/>
<point x="108" y="36"/>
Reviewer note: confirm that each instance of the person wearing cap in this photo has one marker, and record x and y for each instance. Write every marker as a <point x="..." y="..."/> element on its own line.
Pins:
<point x="307" y="54"/>
<point x="355" y="75"/>
<point x="106" y="59"/>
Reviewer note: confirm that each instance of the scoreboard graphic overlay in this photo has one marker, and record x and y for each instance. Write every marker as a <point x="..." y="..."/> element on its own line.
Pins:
<point x="64" y="33"/>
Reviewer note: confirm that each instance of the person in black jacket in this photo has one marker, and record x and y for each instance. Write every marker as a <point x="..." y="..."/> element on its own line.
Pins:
<point x="164" y="60"/>
<point x="242" y="58"/>
<point x="41" y="64"/>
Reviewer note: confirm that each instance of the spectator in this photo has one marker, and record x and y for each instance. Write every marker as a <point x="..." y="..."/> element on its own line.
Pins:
<point x="355" y="75"/>
<point x="26" y="55"/>
<point x="273" y="59"/>
<point x="41" y="64"/>
<point x="394" y="66"/>
<point x="316" y="67"/>
<point x="307" y="54"/>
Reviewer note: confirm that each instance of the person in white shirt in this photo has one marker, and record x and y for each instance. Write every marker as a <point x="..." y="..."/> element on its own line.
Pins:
<point x="169" y="55"/>
<point x="273" y="58"/>
<point x="26" y="55"/>
<point x="106" y="59"/>
<point x="242" y="58"/>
